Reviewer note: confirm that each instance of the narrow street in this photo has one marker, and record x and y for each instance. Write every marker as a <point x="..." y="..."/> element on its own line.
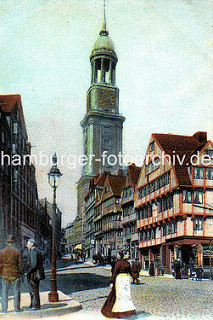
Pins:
<point x="155" y="297"/>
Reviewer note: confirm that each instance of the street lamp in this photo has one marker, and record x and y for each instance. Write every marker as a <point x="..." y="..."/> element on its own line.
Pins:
<point x="54" y="177"/>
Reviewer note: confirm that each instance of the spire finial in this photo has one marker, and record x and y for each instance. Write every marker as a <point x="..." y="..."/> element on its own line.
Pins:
<point x="103" y="29"/>
<point x="104" y="17"/>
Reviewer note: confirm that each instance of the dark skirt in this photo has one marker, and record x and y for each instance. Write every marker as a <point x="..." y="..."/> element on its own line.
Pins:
<point x="106" y="310"/>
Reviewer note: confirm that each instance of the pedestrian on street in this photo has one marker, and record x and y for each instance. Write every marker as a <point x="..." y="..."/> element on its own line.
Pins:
<point x="35" y="273"/>
<point x="119" y="302"/>
<point x="177" y="269"/>
<point x="152" y="269"/>
<point x="11" y="270"/>
<point x="113" y="262"/>
<point x="136" y="268"/>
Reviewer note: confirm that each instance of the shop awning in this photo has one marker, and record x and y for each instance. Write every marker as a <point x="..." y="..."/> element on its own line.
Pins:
<point x="78" y="247"/>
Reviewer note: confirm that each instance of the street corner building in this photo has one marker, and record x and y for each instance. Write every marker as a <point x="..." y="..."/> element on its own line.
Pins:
<point x="174" y="202"/>
<point x="21" y="212"/>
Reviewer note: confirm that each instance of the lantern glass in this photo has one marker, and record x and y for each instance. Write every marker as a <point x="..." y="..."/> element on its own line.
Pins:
<point x="54" y="177"/>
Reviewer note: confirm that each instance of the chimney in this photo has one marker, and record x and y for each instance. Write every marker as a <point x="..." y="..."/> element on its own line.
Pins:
<point x="200" y="136"/>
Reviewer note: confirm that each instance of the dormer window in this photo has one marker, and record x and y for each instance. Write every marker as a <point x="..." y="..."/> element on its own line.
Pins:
<point x="152" y="146"/>
<point x="209" y="153"/>
<point x="107" y="189"/>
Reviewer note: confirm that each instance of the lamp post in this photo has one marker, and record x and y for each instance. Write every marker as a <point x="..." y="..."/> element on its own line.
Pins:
<point x="54" y="177"/>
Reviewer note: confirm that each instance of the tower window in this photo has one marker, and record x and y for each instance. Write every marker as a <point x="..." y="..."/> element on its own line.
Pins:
<point x="98" y="70"/>
<point x="106" y="72"/>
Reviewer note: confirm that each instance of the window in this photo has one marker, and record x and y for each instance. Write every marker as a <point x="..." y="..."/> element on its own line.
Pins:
<point x="152" y="165"/>
<point x="138" y="214"/>
<point x="130" y="191"/>
<point x="146" y="211"/>
<point x="107" y="189"/>
<point x="198" y="223"/>
<point x="209" y="153"/>
<point x="187" y="196"/>
<point x="143" y="192"/>
<point x="148" y="189"/>
<point x="174" y="226"/>
<point x="148" y="234"/>
<point x="153" y="233"/>
<point x="152" y="146"/>
<point x="163" y="230"/>
<point x="198" y="173"/>
<point x="140" y="193"/>
<point x="150" y="210"/>
<point x="125" y="193"/>
<point x="209" y="173"/>
<point x="167" y="178"/>
<point x="152" y="186"/>
<point x="168" y="228"/>
<point x="165" y="204"/>
<point x="142" y="213"/>
<point x="198" y="196"/>
<point x="157" y="184"/>
<point x="170" y="201"/>
<point x="160" y="205"/>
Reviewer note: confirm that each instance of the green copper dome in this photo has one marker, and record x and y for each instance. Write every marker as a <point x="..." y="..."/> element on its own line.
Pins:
<point x="103" y="45"/>
<point x="103" y="42"/>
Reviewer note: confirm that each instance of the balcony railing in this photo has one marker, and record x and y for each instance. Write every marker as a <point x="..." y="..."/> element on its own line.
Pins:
<point x="127" y="199"/>
<point x="134" y="236"/>
<point x="113" y="225"/>
<point x="131" y="217"/>
<point x="112" y="208"/>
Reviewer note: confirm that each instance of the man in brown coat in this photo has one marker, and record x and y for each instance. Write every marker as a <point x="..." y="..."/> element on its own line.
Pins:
<point x="11" y="269"/>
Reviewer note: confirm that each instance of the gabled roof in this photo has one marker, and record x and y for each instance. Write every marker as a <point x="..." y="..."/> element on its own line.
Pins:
<point x="97" y="181"/>
<point x="7" y="105"/>
<point x="117" y="183"/>
<point x="101" y="179"/>
<point x="133" y="173"/>
<point x="184" y="147"/>
<point x="8" y="102"/>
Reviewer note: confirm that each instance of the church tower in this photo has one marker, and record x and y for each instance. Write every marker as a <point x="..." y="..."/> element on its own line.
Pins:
<point x="102" y="124"/>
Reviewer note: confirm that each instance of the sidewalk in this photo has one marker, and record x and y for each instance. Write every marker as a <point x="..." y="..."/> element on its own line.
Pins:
<point x="48" y="309"/>
<point x="145" y="273"/>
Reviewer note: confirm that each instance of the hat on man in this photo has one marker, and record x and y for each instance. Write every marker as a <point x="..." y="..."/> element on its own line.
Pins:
<point x="10" y="239"/>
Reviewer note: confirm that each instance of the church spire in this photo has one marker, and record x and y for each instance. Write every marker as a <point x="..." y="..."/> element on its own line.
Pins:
<point x="104" y="17"/>
<point x="103" y="29"/>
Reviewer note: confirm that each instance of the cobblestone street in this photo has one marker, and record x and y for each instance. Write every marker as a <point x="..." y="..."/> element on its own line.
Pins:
<point x="155" y="298"/>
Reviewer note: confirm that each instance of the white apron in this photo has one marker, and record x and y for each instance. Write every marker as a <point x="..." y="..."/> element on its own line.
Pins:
<point x="123" y="301"/>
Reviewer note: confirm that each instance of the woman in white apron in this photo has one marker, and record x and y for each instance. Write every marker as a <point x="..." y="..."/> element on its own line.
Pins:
<point x="119" y="302"/>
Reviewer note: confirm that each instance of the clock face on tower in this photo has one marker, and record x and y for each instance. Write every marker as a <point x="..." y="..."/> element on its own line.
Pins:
<point x="107" y="98"/>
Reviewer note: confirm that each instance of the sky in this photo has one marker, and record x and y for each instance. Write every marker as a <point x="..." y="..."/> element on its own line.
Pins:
<point x="164" y="74"/>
